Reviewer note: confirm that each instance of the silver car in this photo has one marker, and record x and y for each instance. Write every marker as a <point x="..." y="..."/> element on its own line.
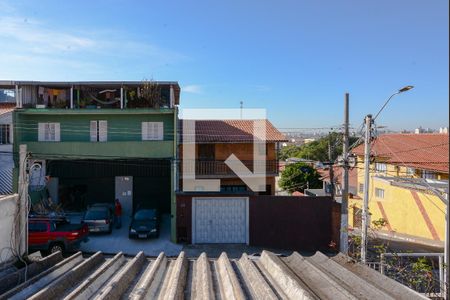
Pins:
<point x="99" y="219"/>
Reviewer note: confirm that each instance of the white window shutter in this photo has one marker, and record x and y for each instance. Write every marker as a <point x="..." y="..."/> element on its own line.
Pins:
<point x="47" y="131"/>
<point x="41" y="132"/>
<point x="154" y="132"/>
<point x="102" y="131"/>
<point x="57" y="132"/>
<point x="160" y="135"/>
<point x="93" y="131"/>
<point x="144" y="131"/>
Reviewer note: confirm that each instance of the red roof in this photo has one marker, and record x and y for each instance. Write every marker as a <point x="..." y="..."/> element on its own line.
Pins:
<point x="232" y="131"/>
<point x="421" y="151"/>
<point x="337" y="174"/>
<point x="6" y="108"/>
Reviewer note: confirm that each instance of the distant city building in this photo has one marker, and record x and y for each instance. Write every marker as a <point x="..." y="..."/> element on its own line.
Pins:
<point x="423" y="130"/>
<point x="443" y="130"/>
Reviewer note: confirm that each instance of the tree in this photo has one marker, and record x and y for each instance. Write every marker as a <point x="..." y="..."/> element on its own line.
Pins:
<point x="296" y="177"/>
<point x="317" y="150"/>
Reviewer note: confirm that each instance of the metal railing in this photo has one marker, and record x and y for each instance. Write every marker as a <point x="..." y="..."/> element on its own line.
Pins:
<point x="219" y="168"/>
<point x="435" y="288"/>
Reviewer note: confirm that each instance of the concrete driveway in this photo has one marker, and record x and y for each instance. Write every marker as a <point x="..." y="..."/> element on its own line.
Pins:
<point x="118" y="241"/>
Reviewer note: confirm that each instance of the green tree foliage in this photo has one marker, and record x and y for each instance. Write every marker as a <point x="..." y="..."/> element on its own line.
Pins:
<point x="296" y="177"/>
<point x="317" y="150"/>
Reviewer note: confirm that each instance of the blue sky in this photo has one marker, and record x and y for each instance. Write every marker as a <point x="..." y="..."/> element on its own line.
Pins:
<point x="294" y="58"/>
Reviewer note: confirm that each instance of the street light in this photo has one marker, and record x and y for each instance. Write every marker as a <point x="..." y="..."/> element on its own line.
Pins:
<point x="403" y="89"/>
<point x="368" y="122"/>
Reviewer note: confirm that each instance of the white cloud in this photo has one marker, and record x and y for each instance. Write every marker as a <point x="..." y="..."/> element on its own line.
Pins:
<point x="33" y="34"/>
<point x="33" y="47"/>
<point x="193" y="88"/>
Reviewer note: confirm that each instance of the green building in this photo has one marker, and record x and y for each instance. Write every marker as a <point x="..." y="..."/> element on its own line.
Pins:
<point x="92" y="142"/>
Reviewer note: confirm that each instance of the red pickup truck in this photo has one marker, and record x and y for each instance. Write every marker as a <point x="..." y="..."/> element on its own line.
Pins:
<point x="51" y="235"/>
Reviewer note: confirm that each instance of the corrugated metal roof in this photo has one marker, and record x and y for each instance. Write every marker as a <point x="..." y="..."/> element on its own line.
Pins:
<point x="6" y="181"/>
<point x="263" y="277"/>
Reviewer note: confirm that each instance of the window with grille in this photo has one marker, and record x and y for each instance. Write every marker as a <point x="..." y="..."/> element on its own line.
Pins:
<point x="49" y="132"/>
<point x="361" y="188"/>
<point x="429" y="174"/>
<point x="5" y="134"/>
<point x="379" y="193"/>
<point x="99" y="131"/>
<point x="410" y="171"/>
<point x="380" y="168"/>
<point x="152" y="131"/>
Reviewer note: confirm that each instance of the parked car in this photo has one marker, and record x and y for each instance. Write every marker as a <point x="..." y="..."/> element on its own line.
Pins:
<point x="99" y="219"/>
<point x="144" y="224"/>
<point x="50" y="235"/>
<point x="109" y="205"/>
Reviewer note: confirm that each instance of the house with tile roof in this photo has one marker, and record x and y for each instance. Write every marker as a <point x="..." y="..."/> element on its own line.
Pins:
<point x="408" y="180"/>
<point x="216" y="140"/>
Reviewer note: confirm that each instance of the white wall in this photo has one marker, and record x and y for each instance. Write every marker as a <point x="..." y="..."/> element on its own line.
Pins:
<point x="7" y="210"/>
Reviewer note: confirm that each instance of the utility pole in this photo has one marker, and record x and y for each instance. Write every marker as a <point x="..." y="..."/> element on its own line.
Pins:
<point x="365" y="213"/>
<point x="344" y="202"/>
<point x="330" y="164"/>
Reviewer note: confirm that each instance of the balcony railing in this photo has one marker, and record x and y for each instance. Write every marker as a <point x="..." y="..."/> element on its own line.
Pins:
<point x="93" y="96"/>
<point x="211" y="168"/>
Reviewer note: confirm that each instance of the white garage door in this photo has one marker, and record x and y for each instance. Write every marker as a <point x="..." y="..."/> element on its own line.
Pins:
<point x="220" y="220"/>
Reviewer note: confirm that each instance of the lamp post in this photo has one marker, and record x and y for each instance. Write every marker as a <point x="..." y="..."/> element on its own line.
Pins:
<point x="368" y="137"/>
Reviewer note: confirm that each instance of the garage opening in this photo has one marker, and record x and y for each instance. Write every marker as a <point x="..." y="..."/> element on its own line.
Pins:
<point x="220" y="220"/>
<point x="137" y="182"/>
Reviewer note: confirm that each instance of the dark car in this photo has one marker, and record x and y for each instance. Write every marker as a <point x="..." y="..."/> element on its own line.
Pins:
<point x="144" y="224"/>
<point x="99" y="219"/>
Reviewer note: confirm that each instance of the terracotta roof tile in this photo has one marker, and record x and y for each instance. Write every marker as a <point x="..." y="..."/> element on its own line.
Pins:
<point x="232" y="131"/>
<point x="421" y="151"/>
<point x="6" y="108"/>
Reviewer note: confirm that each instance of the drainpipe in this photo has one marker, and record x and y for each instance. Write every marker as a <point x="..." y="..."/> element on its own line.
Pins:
<point x="18" y="104"/>
<point x="71" y="97"/>
<point x="121" y="98"/>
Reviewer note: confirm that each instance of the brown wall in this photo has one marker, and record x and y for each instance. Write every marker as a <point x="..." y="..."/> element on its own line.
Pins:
<point x="336" y="224"/>
<point x="280" y="222"/>
<point x="244" y="151"/>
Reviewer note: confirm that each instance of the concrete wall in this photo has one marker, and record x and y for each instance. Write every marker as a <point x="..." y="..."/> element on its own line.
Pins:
<point x="8" y="206"/>
<point x="280" y="222"/>
<point x="76" y="127"/>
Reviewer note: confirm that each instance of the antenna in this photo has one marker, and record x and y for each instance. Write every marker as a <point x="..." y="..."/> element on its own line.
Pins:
<point x="242" y="107"/>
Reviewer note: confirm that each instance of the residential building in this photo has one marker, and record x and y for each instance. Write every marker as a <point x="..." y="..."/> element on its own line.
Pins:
<point x="216" y="140"/>
<point x="408" y="180"/>
<point x="224" y="216"/>
<point x="6" y="141"/>
<point x="93" y="142"/>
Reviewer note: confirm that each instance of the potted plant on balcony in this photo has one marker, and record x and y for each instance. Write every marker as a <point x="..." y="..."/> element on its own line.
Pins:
<point x="82" y="103"/>
<point x="150" y="94"/>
